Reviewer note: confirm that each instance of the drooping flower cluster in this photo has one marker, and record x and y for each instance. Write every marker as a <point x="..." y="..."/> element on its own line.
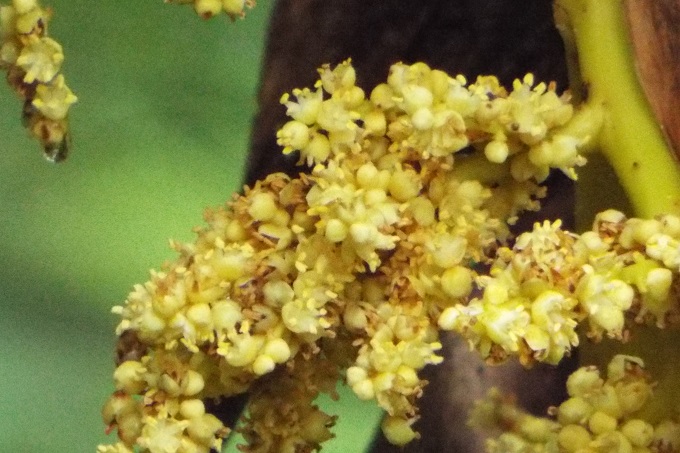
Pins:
<point x="210" y="8"/>
<point x="33" y="64"/>
<point x="345" y="271"/>
<point x="600" y="416"/>
<point x="622" y="272"/>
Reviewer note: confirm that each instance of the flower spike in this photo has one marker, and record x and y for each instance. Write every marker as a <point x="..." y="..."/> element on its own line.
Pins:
<point x="33" y="64"/>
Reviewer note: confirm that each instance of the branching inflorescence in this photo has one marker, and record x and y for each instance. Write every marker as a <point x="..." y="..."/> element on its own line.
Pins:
<point x="350" y="271"/>
<point x="399" y="230"/>
<point x="33" y="63"/>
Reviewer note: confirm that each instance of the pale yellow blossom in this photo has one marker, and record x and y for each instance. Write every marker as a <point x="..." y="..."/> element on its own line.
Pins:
<point x="33" y="62"/>
<point x="350" y="270"/>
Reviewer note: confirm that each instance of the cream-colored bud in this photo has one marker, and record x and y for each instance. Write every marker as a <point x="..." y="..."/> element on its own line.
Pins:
<point x="363" y="232"/>
<point x="352" y="97"/>
<point x="24" y="6"/>
<point x="150" y="324"/>
<point x="277" y="349"/>
<point x="536" y="429"/>
<point x="372" y="290"/>
<point x="541" y="154"/>
<point x="169" y="305"/>
<point x="613" y="442"/>
<point x="416" y="97"/>
<point x="200" y="315"/>
<point x="293" y="134"/>
<point x="407" y="376"/>
<point x="336" y="230"/>
<point x="364" y="390"/>
<point x="448" y="319"/>
<point x="192" y="383"/>
<point x="422" y="119"/>
<point x="447" y="251"/>
<point x="9" y="52"/>
<point x="374" y="196"/>
<point x="659" y="282"/>
<point x="609" y="318"/>
<point x="281" y="218"/>
<point x="366" y="175"/>
<point x="573" y="438"/>
<point x="354" y="317"/>
<point x="382" y="96"/>
<point x="440" y="83"/>
<point x="263" y="364"/>
<point x="565" y="151"/>
<point x="318" y="149"/>
<point x="229" y="265"/>
<point x="619" y="366"/>
<point x="638" y="432"/>
<point x="632" y="396"/>
<point x="118" y="405"/>
<point x="192" y="408"/>
<point x="233" y="7"/>
<point x="235" y="232"/>
<point x="457" y="281"/>
<point x="496" y="151"/>
<point x="207" y="8"/>
<point x="225" y="314"/>
<point x="670" y="225"/>
<point x="575" y="410"/>
<point x="584" y="381"/>
<point x="169" y="385"/>
<point x="375" y="122"/>
<point x="496" y="293"/>
<point x="667" y="433"/>
<point x="262" y="206"/>
<point x="646" y="229"/>
<point x="607" y="401"/>
<point x="600" y="423"/>
<point x="130" y="427"/>
<point x="203" y="429"/>
<point x="398" y="430"/>
<point x="383" y="381"/>
<point x="244" y="350"/>
<point x="422" y="210"/>
<point x="404" y="185"/>
<point x="356" y="374"/>
<point x="129" y="377"/>
<point x="611" y="216"/>
<point x="277" y="293"/>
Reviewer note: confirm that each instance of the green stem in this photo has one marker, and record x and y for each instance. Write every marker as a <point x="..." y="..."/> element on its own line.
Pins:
<point x="630" y="137"/>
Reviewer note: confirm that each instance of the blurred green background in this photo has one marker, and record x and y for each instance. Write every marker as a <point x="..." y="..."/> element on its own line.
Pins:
<point x="159" y="133"/>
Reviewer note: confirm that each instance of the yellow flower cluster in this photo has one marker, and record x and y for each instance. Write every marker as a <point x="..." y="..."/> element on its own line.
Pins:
<point x="600" y="416"/>
<point x="343" y="272"/>
<point x="623" y="271"/>
<point x="210" y="8"/>
<point x="171" y="415"/>
<point x="33" y="63"/>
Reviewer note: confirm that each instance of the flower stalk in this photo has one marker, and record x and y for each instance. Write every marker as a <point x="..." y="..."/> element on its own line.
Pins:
<point x="630" y="137"/>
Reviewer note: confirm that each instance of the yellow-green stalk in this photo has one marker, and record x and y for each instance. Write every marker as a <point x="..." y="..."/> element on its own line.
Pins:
<point x="630" y="137"/>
